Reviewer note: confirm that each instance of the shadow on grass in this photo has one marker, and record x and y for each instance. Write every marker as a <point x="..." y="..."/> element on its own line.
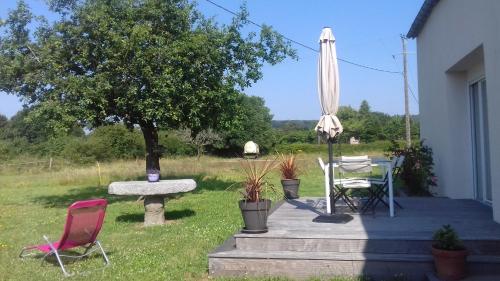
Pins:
<point x="80" y="193"/>
<point x="67" y="257"/>
<point x="203" y="182"/>
<point x="169" y="215"/>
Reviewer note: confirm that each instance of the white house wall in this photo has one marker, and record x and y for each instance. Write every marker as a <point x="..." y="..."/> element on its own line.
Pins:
<point x="454" y="29"/>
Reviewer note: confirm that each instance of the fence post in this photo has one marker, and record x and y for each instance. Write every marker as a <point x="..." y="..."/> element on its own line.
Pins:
<point x="99" y="173"/>
<point x="50" y="164"/>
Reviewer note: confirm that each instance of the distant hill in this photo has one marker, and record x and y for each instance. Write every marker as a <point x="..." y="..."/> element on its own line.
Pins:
<point x="294" y="124"/>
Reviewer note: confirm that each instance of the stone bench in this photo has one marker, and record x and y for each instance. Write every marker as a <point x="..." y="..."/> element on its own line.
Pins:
<point x="154" y="195"/>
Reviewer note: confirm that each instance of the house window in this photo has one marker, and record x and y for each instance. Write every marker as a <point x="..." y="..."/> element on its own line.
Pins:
<point x="480" y="141"/>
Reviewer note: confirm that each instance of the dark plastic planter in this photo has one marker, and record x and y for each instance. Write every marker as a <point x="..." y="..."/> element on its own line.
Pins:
<point x="255" y="215"/>
<point x="291" y="188"/>
<point x="450" y="265"/>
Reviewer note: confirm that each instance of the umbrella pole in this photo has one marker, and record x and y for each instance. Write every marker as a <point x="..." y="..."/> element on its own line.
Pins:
<point x="330" y="173"/>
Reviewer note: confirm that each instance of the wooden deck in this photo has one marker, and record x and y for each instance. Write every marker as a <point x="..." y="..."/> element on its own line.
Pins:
<point x="303" y="243"/>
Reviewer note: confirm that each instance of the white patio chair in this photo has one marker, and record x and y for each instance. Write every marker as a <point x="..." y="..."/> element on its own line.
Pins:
<point x="348" y="182"/>
<point x="350" y="165"/>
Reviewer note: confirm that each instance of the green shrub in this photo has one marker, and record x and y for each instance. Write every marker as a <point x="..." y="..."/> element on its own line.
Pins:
<point x="15" y="148"/>
<point x="81" y="151"/>
<point x="4" y="150"/>
<point x="338" y="149"/>
<point x="55" y="146"/>
<point x="446" y="238"/>
<point x="104" y="144"/>
<point x="296" y="136"/>
<point x="417" y="171"/>
<point x="116" y="142"/>
<point x="172" y="145"/>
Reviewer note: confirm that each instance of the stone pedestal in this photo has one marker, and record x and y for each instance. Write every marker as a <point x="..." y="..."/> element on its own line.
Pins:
<point x="154" y="195"/>
<point x="154" y="210"/>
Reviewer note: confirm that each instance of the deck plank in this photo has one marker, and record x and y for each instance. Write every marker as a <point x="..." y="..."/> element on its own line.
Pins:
<point x="418" y="220"/>
<point x="302" y="243"/>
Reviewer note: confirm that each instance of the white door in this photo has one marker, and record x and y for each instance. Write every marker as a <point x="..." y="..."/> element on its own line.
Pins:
<point x="480" y="141"/>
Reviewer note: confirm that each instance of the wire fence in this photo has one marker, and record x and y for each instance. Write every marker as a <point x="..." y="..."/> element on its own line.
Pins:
<point x="64" y="170"/>
<point x="57" y="164"/>
<point x="50" y="164"/>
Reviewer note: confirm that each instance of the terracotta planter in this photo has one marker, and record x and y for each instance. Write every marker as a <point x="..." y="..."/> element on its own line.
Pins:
<point x="450" y="265"/>
<point x="255" y="215"/>
<point x="291" y="188"/>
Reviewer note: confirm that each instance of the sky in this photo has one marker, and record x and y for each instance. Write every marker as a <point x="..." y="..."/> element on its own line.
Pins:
<point x="367" y="32"/>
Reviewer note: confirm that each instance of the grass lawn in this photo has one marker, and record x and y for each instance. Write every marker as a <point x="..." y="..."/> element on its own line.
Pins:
<point x="33" y="202"/>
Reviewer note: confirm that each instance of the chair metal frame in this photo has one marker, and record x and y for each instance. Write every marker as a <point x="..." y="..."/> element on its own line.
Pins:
<point x="330" y="193"/>
<point x="57" y="248"/>
<point x="382" y="185"/>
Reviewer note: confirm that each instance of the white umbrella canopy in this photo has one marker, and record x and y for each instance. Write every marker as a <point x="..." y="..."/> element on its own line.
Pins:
<point x="328" y="86"/>
<point x="328" y="91"/>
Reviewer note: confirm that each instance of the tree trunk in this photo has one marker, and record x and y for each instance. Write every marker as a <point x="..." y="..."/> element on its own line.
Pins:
<point x="199" y="151"/>
<point x="150" y="133"/>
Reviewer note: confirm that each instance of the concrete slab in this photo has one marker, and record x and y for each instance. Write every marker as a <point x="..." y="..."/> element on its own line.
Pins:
<point x="162" y="187"/>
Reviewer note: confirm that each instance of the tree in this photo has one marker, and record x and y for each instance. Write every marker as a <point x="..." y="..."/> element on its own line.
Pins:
<point x="351" y="122"/>
<point x="3" y="121"/>
<point x="147" y="63"/>
<point x="253" y="123"/>
<point x="201" y="140"/>
<point x="364" y="108"/>
<point x="19" y="127"/>
<point x="33" y="131"/>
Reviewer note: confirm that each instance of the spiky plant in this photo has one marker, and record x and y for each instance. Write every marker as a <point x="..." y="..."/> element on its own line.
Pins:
<point x="288" y="167"/>
<point x="255" y="179"/>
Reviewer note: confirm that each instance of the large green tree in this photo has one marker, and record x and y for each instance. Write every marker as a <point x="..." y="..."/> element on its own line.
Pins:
<point x="253" y="124"/>
<point x="148" y="63"/>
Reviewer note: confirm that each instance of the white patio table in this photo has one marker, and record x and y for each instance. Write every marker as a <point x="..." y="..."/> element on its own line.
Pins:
<point x="385" y="164"/>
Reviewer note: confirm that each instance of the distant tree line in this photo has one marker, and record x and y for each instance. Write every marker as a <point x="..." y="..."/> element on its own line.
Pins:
<point x="22" y="135"/>
<point x="363" y="124"/>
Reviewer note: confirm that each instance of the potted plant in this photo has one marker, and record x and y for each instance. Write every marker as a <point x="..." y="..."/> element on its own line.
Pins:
<point x="449" y="254"/>
<point x="255" y="208"/>
<point x="153" y="175"/>
<point x="289" y="173"/>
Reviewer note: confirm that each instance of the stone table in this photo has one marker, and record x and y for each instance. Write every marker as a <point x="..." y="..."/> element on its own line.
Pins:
<point x="154" y="195"/>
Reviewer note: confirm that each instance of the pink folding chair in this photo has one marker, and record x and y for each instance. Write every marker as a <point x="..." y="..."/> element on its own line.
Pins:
<point x="83" y="223"/>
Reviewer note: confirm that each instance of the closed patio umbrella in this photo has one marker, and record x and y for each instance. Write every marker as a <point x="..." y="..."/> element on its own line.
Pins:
<point x="328" y="91"/>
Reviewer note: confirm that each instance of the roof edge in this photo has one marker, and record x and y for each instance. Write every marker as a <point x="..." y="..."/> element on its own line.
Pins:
<point x="421" y="18"/>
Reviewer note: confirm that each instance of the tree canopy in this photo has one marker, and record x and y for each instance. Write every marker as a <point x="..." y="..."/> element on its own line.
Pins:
<point x="254" y="124"/>
<point x="370" y="126"/>
<point x="148" y="63"/>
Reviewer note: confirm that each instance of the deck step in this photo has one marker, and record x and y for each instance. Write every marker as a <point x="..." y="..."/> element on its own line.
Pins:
<point x="345" y="245"/>
<point x="432" y="277"/>
<point x="304" y="265"/>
